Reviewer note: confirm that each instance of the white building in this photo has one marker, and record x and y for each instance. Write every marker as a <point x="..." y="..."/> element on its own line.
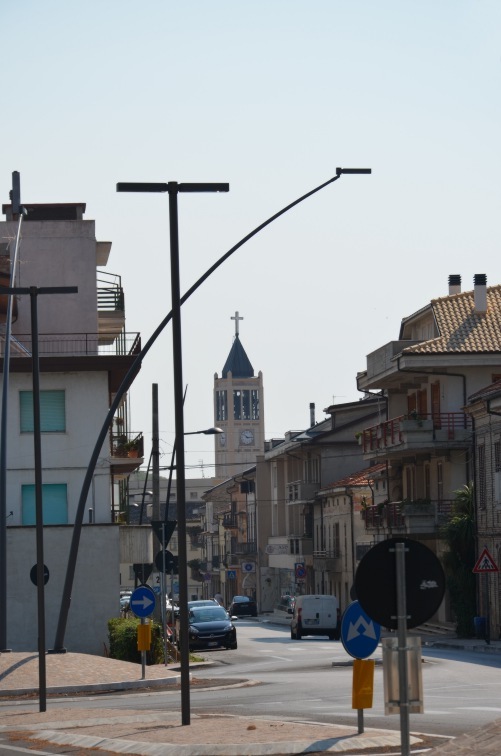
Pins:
<point x="84" y="355"/>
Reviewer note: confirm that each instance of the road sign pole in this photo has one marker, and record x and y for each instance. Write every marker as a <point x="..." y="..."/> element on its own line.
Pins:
<point x="143" y="659"/>
<point x="402" y="648"/>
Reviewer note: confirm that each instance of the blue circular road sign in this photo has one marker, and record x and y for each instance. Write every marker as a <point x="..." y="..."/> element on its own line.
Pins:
<point x="359" y="634"/>
<point x="142" y="601"/>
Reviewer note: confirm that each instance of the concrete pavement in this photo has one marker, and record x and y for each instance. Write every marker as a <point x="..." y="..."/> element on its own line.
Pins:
<point x="127" y="730"/>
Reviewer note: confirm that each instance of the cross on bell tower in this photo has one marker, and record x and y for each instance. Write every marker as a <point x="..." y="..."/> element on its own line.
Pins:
<point x="236" y="318"/>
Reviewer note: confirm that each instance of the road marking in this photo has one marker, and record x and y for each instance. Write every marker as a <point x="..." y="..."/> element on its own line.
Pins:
<point x="477" y="708"/>
<point x="282" y="658"/>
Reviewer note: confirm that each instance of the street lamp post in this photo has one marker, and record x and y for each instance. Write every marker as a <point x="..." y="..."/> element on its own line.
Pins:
<point x="173" y="188"/>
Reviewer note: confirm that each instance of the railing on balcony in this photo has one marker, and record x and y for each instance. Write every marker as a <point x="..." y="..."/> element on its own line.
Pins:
<point x="435" y="427"/>
<point x="398" y="514"/>
<point x="127" y="445"/>
<point x="230" y="520"/>
<point x="110" y="295"/>
<point x="327" y="560"/>
<point x="249" y="547"/>
<point x="76" y="344"/>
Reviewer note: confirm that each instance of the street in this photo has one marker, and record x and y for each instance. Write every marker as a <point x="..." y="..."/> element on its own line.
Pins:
<point x="310" y="680"/>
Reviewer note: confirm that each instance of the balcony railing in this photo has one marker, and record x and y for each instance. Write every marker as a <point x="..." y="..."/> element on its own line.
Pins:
<point x="230" y="520"/>
<point x="127" y="445"/>
<point x="327" y="560"/>
<point x="417" y="430"/>
<point x="76" y="344"/>
<point x="250" y="547"/>
<point x="418" y="516"/>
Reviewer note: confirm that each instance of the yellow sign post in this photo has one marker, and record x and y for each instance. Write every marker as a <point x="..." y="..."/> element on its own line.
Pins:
<point x="363" y="688"/>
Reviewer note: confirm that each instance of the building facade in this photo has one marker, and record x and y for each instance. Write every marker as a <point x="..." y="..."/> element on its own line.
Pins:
<point x="84" y="355"/>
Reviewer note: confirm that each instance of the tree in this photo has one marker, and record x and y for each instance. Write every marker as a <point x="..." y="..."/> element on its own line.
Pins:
<point x="459" y="560"/>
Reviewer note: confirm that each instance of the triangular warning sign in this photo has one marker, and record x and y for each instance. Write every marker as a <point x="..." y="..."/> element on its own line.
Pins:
<point x="485" y="563"/>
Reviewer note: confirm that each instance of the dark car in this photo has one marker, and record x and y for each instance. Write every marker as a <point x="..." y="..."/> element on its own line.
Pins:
<point x="210" y="627"/>
<point x="243" y="606"/>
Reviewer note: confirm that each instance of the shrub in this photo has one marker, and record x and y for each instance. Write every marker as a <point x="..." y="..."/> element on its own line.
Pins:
<point x="122" y="633"/>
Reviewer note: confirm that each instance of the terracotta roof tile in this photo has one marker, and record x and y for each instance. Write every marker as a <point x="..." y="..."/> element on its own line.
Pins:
<point x="360" y="478"/>
<point x="461" y="329"/>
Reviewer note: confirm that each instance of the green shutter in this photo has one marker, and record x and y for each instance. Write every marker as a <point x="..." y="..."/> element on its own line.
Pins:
<point x="52" y="411"/>
<point x="54" y="504"/>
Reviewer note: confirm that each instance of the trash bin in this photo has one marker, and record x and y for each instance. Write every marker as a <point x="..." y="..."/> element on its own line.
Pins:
<point x="480" y="625"/>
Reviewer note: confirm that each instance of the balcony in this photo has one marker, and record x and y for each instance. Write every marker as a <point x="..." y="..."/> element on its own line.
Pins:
<point x="417" y="433"/>
<point x="230" y="520"/>
<point x="300" y="492"/>
<point x="110" y="307"/>
<point x="250" y="547"/>
<point x="75" y="344"/>
<point x="423" y="516"/>
<point x="127" y="453"/>
<point x="327" y="561"/>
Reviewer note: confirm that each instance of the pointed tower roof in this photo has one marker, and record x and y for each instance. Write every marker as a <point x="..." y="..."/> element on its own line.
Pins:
<point x="237" y="362"/>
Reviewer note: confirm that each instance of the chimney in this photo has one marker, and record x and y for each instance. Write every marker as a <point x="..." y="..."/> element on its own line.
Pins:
<point x="454" y="284"/>
<point x="312" y="414"/>
<point x="480" y="293"/>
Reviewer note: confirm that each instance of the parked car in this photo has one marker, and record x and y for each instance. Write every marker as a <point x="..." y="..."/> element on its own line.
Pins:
<point x="286" y="604"/>
<point x="125" y="600"/>
<point x="171" y="606"/>
<point x="316" y="614"/>
<point x="202" y="602"/>
<point x="210" y="626"/>
<point x="243" y="606"/>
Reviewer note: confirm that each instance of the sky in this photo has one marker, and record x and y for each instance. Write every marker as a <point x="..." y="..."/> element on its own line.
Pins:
<point x="270" y="96"/>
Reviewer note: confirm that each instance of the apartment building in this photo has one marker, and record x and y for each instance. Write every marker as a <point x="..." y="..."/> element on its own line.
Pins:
<point x="84" y="353"/>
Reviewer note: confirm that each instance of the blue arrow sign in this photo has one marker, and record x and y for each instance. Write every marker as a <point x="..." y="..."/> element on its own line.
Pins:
<point x="359" y="634"/>
<point x="142" y="601"/>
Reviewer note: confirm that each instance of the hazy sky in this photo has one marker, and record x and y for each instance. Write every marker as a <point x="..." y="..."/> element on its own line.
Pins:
<point x="270" y="96"/>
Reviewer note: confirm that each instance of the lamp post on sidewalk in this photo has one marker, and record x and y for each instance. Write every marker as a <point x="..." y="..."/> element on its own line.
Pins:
<point x="173" y="188"/>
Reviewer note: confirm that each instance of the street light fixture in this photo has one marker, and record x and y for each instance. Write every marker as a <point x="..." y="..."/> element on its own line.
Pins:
<point x="173" y="188"/>
<point x="129" y="379"/>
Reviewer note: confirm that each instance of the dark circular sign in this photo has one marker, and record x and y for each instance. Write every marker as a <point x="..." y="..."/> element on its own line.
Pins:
<point x="169" y="561"/>
<point x="376" y="583"/>
<point x="34" y="577"/>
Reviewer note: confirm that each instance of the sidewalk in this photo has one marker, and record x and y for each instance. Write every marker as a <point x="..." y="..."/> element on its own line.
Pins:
<point x="127" y="730"/>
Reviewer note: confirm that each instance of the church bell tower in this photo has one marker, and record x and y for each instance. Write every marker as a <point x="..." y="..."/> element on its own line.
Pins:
<point x="238" y="410"/>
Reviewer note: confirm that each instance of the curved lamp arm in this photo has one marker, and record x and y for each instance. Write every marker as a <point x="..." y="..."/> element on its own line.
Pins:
<point x="123" y="388"/>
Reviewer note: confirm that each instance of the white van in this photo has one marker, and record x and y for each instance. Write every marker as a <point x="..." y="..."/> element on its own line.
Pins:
<point x="316" y="614"/>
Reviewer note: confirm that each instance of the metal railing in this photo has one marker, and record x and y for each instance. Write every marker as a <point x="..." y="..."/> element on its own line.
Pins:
<point x="443" y="426"/>
<point x="77" y="344"/>
<point x="397" y="514"/>
<point x="127" y="445"/>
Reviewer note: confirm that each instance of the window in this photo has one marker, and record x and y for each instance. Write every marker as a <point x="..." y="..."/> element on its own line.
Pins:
<point x="440" y="481"/>
<point x="54" y="504"/>
<point x="481" y="477"/>
<point x="221" y="405"/>
<point x="254" y="404"/>
<point x="52" y="411"/>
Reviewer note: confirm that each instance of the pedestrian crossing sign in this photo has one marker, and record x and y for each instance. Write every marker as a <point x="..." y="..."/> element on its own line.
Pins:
<point x="485" y="563"/>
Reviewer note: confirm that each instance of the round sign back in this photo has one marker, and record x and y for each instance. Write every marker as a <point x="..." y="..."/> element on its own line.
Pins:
<point x="376" y="583"/>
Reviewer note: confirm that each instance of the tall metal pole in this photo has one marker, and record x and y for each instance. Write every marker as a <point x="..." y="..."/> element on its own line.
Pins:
<point x="42" y="679"/>
<point x="403" y="685"/>
<point x="17" y="209"/>
<point x="33" y="291"/>
<point x="180" y="471"/>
